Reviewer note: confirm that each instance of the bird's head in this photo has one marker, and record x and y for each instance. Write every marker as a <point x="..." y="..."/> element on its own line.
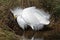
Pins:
<point x="16" y="12"/>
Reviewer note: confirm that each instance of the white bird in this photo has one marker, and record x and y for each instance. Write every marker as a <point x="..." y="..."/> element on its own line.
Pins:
<point x="35" y="18"/>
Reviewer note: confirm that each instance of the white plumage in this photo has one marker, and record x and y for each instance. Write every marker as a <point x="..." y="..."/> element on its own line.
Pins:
<point x="35" y="18"/>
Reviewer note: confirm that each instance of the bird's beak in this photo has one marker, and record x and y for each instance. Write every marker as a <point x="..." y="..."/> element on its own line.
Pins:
<point x="15" y="17"/>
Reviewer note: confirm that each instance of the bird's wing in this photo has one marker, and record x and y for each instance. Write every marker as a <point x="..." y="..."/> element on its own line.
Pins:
<point x="35" y="16"/>
<point x="30" y="18"/>
<point x="43" y="13"/>
<point x="41" y="18"/>
<point x="16" y="11"/>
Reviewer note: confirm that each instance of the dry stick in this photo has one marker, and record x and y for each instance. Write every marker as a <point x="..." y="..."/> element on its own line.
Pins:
<point x="22" y="3"/>
<point x="28" y="2"/>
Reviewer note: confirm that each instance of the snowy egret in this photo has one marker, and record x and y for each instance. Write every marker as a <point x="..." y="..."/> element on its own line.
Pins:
<point x="35" y="18"/>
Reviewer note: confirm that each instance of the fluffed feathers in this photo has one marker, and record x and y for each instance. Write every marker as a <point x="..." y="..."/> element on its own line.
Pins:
<point x="36" y="18"/>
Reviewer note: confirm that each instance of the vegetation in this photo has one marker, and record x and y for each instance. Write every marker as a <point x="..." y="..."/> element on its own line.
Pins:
<point x="10" y="30"/>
